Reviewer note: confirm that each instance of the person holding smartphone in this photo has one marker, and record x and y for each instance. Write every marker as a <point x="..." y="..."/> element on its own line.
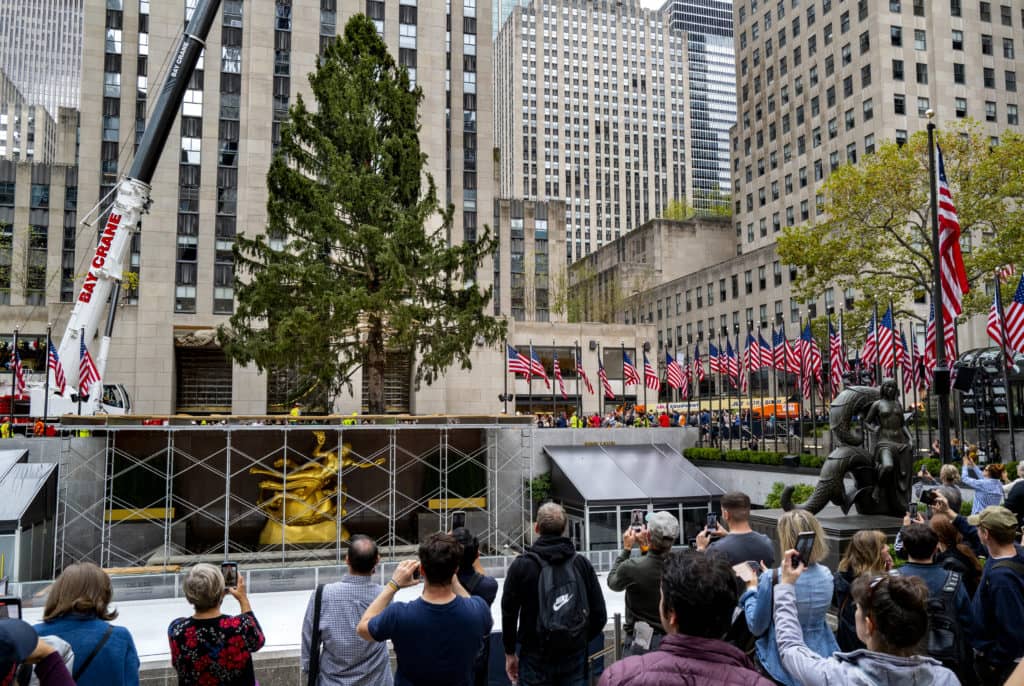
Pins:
<point x="797" y="529"/>
<point x="892" y="619"/>
<point x="209" y="644"/>
<point x="638" y="577"/>
<point x="740" y="543"/>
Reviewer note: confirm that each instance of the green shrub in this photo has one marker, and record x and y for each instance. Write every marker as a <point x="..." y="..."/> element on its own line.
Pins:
<point x="932" y="464"/>
<point x="813" y="461"/>
<point x="800" y="494"/>
<point x="540" y="487"/>
<point x="703" y="454"/>
<point x="965" y="507"/>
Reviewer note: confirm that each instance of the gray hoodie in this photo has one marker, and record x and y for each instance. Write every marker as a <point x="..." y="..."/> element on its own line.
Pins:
<point x="857" y="668"/>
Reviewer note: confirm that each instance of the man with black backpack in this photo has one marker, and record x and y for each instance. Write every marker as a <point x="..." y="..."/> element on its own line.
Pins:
<point x="949" y="607"/>
<point x="552" y="605"/>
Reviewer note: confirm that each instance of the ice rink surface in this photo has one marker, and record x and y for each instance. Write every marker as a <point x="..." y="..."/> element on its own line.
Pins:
<point x="280" y="615"/>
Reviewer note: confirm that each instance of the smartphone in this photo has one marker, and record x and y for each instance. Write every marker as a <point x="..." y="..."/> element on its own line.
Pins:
<point x="636" y="520"/>
<point x="10" y="608"/>
<point x="804" y="546"/>
<point x="712" y="521"/>
<point x="928" y="497"/>
<point x="912" y="508"/>
<point x="230" y="572"/>
<point x="692" y="543"/>
<point x="416" y="574"/>
<point x="458" y="519"/>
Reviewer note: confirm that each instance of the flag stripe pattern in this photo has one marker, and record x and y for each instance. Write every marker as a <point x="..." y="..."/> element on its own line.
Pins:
<point x="905" y="365"/>
<point x="810" y="357"/>
<point x="606" y="385"/>
<point x="87" y="374"/>
<point x="651" y="379"/>
<point x="732" y="365"/>
<point x="53" y="362"/>
<point x="558" y="377"/>
<point x="714" y="359"/>
<point x="19" y="373"/>
<point x="698" y="364"/>
<point x="583" y="375"/>
<point x="953" y="274"/>
<point x="885" y="339"/>
<point x="673" y="372"/>
<point x="837" y="360"/>
<point x="517" y="362"/>
<point x="1014" y="314"/>
<point x="629" y="371"/>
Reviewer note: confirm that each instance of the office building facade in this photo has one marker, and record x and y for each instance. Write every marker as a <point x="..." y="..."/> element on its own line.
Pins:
<point x="210" y="184"/>
<point x="593" y="111"/>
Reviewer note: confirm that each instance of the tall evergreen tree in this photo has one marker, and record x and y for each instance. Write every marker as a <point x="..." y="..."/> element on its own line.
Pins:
<point x="356" y="260"/>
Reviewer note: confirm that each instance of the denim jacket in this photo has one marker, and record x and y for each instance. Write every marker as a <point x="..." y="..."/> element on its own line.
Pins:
<point x="813" y="599"/>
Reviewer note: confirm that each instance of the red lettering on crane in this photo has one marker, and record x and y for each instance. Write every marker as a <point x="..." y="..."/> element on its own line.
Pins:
<point x="109" y="231"/>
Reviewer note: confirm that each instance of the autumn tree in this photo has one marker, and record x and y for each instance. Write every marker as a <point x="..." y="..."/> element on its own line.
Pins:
<point x="349" y="266"/>
<point x="874" y="234"/>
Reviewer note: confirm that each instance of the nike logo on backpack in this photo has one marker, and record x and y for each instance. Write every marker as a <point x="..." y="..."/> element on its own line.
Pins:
<point x="561" y="601"/>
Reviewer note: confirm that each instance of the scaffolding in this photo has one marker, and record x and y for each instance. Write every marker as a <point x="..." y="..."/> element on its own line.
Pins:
<point x="134" y="495"/>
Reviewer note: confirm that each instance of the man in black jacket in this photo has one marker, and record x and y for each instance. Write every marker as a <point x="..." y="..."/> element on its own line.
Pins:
<point x="519" y="603"/>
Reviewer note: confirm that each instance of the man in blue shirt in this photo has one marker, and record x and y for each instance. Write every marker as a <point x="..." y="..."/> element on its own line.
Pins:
<point x="438" y="636"/>
<point x="998" y="605"/>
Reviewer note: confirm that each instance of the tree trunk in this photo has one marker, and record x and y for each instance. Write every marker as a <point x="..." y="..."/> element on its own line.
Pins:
<point x="375" y="367"/>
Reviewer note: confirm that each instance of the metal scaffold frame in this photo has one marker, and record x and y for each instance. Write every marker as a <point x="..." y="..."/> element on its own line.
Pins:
<point x="159" y="496"/>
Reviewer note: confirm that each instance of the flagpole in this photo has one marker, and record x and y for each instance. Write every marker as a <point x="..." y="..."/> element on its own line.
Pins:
<point x="1007" y="361"/>
<point x="504" y="397"/>
<point x="14" y="379"/>
<point x="750" y="378"/>
<point x="600" y="383"/>
<point x="81" y="343"/>
<point x="529" y="381"/>
<point x="46" y="384"/>
<point x="578" y="362"/>
<point x="646" y="410"/>
<point x="554" y="381"/>
<point x="940" y="376"/>
<point x="913" y="382"/>
<point x="622" y="344"/>
<point x="810" y="372"/>
<point x="775" y="395"/>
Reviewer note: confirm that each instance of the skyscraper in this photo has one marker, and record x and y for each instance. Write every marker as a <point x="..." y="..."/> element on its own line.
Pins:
<point x="41" y="49"/>
<point x="591" y="109"/>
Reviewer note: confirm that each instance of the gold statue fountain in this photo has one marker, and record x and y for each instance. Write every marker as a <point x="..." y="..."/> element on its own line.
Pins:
<point x="303" y="507"/>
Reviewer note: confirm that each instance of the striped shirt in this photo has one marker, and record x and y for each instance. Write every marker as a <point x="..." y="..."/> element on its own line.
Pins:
<point x="346" y="659"/>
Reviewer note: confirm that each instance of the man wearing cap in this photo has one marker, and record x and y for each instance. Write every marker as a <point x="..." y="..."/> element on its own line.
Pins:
<point x="19" y="644"/>
<point x="640" y="576"/>
<point x="998" y="605"/>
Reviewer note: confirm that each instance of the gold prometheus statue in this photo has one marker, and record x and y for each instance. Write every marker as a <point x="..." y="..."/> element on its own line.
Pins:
<point x="303" y="507"/>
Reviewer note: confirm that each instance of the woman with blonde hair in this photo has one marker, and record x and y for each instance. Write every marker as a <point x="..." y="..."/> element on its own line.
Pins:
<point x="78" y="611"/>
<point x="868" y="553"/>
<point x="813" y="598"/>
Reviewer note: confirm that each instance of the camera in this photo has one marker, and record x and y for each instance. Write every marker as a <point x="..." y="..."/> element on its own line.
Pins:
<point x="928" y="497"/>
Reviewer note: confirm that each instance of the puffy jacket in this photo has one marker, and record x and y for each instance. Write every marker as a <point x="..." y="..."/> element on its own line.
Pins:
<point x="519" y="594"/>
<point x="689" y="660"/>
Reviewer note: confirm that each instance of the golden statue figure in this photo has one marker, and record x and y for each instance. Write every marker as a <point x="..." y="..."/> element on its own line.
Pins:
<point x="303" y="505"/>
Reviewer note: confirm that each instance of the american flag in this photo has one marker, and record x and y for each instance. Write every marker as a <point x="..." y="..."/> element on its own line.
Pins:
<point x="537" y="367"/>
<point x="651" y="379"/>
<point x="732" y="363"/>
<point x="87" y="372"/>
<point x="517" y="362"/>
<point x="836" y="359"/>
<point x="602" y="376"/>
<point x="996" y="324"/>
<point x="698" y="364"/>
<point x="921" y="377"/>
<point x="868" y="355"/>
<point x="810" y="356"/>
<point x="751" y="361"/>
<point x="583" y="375"/>
<point x="19" y="373"/>
<point x="632" y="376"/>
<point x="558" y="376"/>
<point x="951" y="262"/>
<point x="779" y="348"/>
<point x="673" y="372"/>
<point x="1015" y="319"/>
<point x="60" y="382"/>
<point x="1005" y="272"/>
<point x="684" y="385"/>
<point x="767" y="359"/>
<point x="906" y="367"/>
<point x="885" y="341"/>
<point x="714" y="359"/>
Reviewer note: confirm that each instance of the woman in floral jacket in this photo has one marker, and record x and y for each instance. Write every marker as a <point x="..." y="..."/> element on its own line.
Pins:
<point x="211" y="648"/>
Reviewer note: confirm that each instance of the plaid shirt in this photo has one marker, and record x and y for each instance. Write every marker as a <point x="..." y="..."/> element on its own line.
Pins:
<point x="346" y="659"/>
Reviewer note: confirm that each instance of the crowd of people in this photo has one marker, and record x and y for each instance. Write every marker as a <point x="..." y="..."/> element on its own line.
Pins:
<point x="723" y="611"/>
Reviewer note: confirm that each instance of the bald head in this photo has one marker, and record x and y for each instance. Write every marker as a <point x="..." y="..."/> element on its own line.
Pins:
<point x="551" y="520"/>
<point x="362" y="555"/>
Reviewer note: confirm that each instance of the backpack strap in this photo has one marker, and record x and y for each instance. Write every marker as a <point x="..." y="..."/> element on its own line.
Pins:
<point x="473" y="582"/>
<point x="952" y="581"/>
<point x="1010" y="564"/>
<point x="80" y="669"/>
<point x="314" y="644"/>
